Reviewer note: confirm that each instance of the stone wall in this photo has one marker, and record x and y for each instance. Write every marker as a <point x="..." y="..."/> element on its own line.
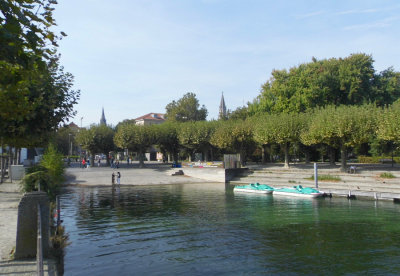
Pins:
<point x="26" y="241"/>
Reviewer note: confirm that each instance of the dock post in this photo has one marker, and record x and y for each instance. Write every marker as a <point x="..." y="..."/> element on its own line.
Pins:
<point x="316" y="175"/>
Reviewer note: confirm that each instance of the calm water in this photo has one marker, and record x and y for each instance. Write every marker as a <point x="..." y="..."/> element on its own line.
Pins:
<point x="205" y="229"/>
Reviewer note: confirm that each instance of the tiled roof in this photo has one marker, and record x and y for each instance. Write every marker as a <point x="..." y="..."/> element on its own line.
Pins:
<point x="151" y="116"/>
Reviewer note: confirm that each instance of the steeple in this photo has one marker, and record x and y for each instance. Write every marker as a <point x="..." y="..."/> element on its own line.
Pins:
<point x="103" y="118"/>
<point x="222" y="108"/>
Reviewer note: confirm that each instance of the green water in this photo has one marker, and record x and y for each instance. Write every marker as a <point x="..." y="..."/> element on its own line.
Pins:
<point x="206" y="229"/>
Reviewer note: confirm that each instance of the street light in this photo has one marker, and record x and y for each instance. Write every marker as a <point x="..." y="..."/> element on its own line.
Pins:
<point x="81" y="121"/>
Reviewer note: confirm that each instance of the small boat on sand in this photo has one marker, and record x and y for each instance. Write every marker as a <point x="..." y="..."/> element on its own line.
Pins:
<point x="254" y="188"/>
<point x="298" y="191"/>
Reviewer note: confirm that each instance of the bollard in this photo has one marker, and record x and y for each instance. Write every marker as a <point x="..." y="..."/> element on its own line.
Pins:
<point x="316" y="175"/>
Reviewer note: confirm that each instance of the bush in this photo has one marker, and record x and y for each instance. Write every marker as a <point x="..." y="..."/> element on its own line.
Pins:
<point x="387" y="175"/>
<point x="376" y="159"/>
<point x="49" y="175"/>
<point x="326" y="177"/>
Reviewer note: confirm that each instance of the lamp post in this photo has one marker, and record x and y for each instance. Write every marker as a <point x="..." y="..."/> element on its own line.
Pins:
<point x="81" y="121"/>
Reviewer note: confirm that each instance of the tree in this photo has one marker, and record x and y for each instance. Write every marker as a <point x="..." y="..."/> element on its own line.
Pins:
<point x="234" y="136"/>
<point x="240" y="113"/>
<point x="186" y="109"/>
<point x="342" y="127"/>
<point x="135" y="138"/>
<point x="167" y="139"/>
<point x="96" y="139"/>
<point x="195" y="136"/>
<point x="282" y="129"/>
<point x="388" y="124"/>
<point x="35" y="92"/>
<point x="344" y="81"/>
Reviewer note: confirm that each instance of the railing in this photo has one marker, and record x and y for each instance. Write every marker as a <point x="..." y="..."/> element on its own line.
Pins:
<point x="39" y="247"/>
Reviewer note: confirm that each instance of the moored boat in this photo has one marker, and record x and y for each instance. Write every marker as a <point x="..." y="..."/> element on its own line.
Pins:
<point x="254" y="188"/>
<point x="298" y="191"/>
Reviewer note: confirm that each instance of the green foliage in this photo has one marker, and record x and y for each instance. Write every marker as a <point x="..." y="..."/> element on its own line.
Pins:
<point x="388" y="124"/>
<point x="376" y="159"/>
<point x="49" y="175"/>
<point x="35" y="92"/>
<point x="166" y="136"/>
<point x="348" y="81"/>
<point x="387" y="175"/>
<point x="186" y="109"/>
<point x="96" y="139"/>
<point x="326" y="177"/>
<point x="234" y="137"/>
<point x="135" y="138"/>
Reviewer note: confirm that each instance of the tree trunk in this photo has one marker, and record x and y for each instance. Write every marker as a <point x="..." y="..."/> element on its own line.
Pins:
<point x="205" y="156"/>
<point x="331" y="156"/>
<point x="141" y="159"/>
<point x="343" y="158"/>
<point x="211" y="154"/>
<point x="263" y="154"/>
<point x="307" y="155"/>
<point x="286" y="149"/>
<point x="92" y="159"/>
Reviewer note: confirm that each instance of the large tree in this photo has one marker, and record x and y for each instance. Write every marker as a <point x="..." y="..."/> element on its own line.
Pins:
<point x="344" y="81"/>
<point x="283" y="129"/>
<point x="96" y="139"/>
<point x="135" y="138"/>
<point x="341" y="127"/>
<point x="186" y="109"/>
<point x="35" y="92"/>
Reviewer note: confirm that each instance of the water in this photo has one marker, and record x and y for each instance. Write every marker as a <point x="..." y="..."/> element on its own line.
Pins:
<point x="206" y="229"/>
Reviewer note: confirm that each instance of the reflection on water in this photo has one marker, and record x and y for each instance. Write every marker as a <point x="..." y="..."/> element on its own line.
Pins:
<point x="206" y="229"/>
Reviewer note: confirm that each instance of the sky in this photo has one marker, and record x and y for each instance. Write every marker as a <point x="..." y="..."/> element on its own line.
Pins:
<point x="133" y="57"/>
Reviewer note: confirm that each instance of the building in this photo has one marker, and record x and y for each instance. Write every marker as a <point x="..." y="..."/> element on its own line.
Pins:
<point x="150" y="119"/>
<point x="222" y="108"/>
<point x="103" y="118"/>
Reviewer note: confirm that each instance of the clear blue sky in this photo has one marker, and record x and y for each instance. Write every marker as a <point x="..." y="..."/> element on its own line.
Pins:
<point x="133" y="57"/>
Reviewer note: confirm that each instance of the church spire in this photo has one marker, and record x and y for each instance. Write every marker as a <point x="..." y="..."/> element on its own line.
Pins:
<point x="103" y="118"/>
<point x="222" y="108"/>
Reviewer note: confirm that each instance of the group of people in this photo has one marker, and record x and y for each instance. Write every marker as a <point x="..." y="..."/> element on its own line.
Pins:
<point x="118" y="175"/>
<point x="85" y="164"/>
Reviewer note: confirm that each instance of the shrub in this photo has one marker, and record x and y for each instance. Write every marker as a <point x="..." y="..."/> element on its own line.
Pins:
<point x="326" y="177"/>
<point x="49" y="175"/>
<point x="387" y="175"/>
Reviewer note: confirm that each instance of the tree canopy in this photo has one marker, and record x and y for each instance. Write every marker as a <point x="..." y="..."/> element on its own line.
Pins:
<point x="35" y="92"/>
<point x="344" y="81"/>
<point x="186" y="109"/>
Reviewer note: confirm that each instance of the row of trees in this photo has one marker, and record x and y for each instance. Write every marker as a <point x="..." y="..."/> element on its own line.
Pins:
<point x="333" y="128"/>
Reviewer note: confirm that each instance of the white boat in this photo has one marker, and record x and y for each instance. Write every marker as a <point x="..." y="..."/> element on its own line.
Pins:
<point x="254" y="188"/>
<point x="298" y="191"/>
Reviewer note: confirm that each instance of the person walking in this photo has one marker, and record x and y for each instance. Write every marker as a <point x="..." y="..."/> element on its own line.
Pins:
<point x="118" y="178"/>
<point x="98" y="162"/>
<point x="83" y="163"/>
<point x="88" y="164"/>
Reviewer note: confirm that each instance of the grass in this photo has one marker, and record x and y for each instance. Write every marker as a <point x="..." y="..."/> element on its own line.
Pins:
<point x="387" y="175"/>
<point x="326" y="177"/>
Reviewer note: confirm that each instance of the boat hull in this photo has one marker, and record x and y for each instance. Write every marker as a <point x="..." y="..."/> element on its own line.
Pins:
<point x="312" y="195"/>
<point x="252" y="191"/>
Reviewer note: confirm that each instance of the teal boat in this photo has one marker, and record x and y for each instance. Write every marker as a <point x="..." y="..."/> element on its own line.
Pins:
<point x="254" y="188"/>
<point x="298" y="191"/>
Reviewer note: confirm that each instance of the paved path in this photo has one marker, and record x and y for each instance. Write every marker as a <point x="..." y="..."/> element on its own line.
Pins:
<point x="9" y="200"/>
<point x="153" y="174"/>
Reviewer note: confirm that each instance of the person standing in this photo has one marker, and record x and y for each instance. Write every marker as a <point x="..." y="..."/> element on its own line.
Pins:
<point x="113" y="178"/>
<point x="88" y="164"/>
<point x="98" y="162"/>
<point x="83" y="163"/>
<point x="118" y="178"/>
